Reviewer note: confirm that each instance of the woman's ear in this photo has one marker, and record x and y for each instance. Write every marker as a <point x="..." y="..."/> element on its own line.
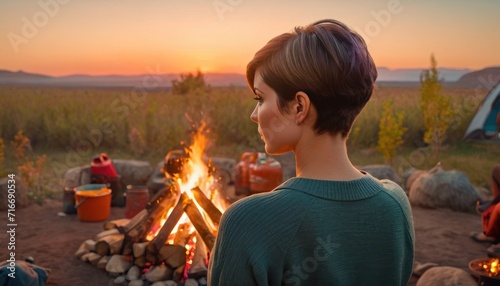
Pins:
<point x="302" y="106"/>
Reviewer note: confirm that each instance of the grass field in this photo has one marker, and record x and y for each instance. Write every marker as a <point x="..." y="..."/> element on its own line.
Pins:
<point x="71" y="125"/>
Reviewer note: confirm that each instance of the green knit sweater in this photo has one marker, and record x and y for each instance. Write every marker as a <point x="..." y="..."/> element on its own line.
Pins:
<point x="314" y="232"/>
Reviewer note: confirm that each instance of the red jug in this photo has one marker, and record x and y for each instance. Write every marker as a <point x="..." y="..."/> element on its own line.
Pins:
<point x="265" y="175"/>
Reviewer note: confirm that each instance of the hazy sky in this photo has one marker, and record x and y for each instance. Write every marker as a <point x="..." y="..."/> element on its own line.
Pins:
<point x="61" y="37"/>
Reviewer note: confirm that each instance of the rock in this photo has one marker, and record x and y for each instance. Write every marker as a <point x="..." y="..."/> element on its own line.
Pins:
<point x="120" y="280"/>
<point x="133" y="172"/>
<point x="414" y="174"/>
<point x="85" y="175"/>
<point x="159" y="283"/>
<point x="72" y="177"/>
<point x="170" y="283"/>
<point x="157" y="273"/>
<point x="382" y="172"/>
<point x="157" y="179"/>
<point x="17" y="189"/>
<point x="446" y="276"/>
<point x="137" y="282"/>
<point x="225" y="168"/>
<point x="190" y="282"/>
<point x="118" y="264"/>
<point x="420" y="268"/>
<point x="202" y="281"/>
<point x="443" y="189"/>
<point x="133" y="273"/>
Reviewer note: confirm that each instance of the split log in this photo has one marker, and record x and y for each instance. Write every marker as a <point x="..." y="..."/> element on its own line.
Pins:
<point x="199" y="267"/>
<point x="115" y="223"/>
<point x="158" y="273"/>
<point x="182" y="235"/>
<point x="212" y="211"/>
<point x="139" y="248"/>
<point x="173" y="218"/>
<point x="102" y="234"/>
<point x="82" y="250"/>
<point x="91" y="257"/>
<point x="179" y="273"/>
<point x="90" y="244"/>
<point x="136" y="220"/>
<point x="152" y="216"/>
<point x="102" y="263"/>
<point x="94" y="258"/>
<point x="111" y="244"/>
<point x="199" y="224"/>
<point x="173" y="255"/>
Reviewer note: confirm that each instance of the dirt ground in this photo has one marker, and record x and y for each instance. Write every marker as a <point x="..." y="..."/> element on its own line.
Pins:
<point x="52" y="239"/>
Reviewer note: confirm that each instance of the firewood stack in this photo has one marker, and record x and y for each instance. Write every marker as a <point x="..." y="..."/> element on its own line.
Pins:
<point x="142" y="248"/>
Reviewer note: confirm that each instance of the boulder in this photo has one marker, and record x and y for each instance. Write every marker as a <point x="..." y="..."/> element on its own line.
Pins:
<point x="157" y="179"/>
<point x="77" y="176"/>
<point x="443" y="189"/>
<point x="20" y="192"/>
<point x="446" y="276"/>
<point x="133" y="172"/>
<point x="224" y="169"/>
<point x="382" y="172"/>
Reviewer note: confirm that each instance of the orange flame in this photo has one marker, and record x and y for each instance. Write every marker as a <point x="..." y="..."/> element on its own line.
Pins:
<point x="195" y="173"/>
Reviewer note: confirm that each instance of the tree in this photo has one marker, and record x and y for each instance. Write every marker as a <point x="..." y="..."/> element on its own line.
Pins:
<point x="390" y="135"/>
<point x="436" y="108"/>
<point x="189" y="82"/>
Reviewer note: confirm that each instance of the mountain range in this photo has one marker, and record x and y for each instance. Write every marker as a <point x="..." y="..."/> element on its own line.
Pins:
<point x="461" y="77"/>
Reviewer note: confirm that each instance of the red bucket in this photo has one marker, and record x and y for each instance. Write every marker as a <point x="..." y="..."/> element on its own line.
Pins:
<point x="136" y="199"/>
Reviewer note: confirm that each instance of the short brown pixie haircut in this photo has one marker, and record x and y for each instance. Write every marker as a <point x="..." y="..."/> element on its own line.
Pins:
<point x="326" y="60"/>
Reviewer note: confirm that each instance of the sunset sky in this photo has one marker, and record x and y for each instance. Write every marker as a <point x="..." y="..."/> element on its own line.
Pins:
<point x="63" y="37"/>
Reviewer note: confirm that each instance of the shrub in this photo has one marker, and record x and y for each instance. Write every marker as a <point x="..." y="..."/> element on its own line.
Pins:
<point x="391" y="131"/>
<point x="189" y="83"/>
<point x="437" y="109"/>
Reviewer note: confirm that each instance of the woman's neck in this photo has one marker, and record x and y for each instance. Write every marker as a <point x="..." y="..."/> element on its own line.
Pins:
<point x="324" y="157"/>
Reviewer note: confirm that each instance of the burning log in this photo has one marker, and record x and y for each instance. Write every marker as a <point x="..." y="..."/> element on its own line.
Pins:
<point x="212" y="211"/>
<point x="198" y="267"/>
<point x="157" y="243"/>
<point x="140" y="225"/>
<point x="199" y="224"/>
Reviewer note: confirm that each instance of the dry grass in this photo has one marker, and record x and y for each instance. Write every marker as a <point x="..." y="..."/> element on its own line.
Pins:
<point x="72" y="125"/>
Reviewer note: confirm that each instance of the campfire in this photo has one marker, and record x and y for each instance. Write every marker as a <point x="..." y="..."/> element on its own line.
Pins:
<point x="172" y="237"/>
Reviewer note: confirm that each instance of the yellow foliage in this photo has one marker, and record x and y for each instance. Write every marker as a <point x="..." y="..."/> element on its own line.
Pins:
<point x="20" y="143"/>
<point x="437" y="109"/>
<point x="391" y="131"/>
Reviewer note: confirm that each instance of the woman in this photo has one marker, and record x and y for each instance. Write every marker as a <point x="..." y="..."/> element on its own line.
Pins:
<point x="332" y="224"/>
